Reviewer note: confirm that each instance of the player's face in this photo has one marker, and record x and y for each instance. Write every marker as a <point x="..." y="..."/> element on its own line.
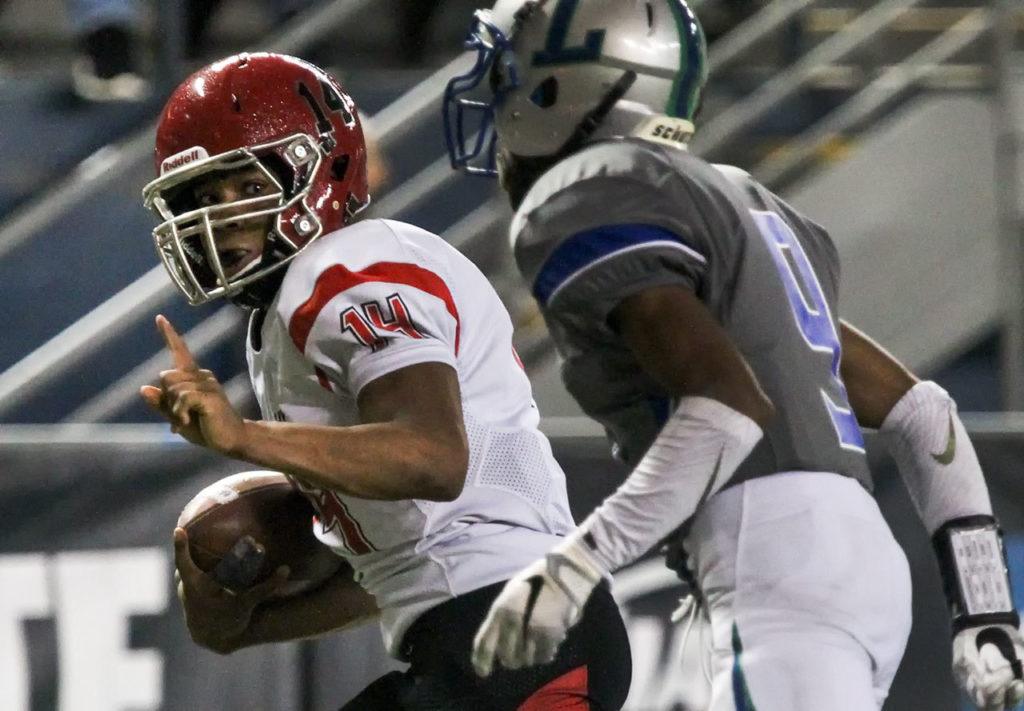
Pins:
<point x="239" y="242"/>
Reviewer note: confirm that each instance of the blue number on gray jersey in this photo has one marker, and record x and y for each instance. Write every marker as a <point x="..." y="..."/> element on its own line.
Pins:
<point x="812" y="315"/>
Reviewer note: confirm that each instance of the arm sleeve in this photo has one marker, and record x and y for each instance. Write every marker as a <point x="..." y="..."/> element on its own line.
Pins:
<point x="357" y="326"/>
<point x="600" y="240"/>
<point x="694" y="455"/>
<point x="935" y="457"/>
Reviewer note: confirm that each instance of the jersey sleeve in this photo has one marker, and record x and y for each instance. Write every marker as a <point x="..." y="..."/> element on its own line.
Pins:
<point x="358" y="325"/>
<point x="599" y="240"/>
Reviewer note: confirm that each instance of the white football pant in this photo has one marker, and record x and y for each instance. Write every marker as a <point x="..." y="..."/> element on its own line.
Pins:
<point x="808" y="593"/>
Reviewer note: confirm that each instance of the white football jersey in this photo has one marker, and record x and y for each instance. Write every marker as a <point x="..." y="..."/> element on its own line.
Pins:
<point x="365" y="301"/>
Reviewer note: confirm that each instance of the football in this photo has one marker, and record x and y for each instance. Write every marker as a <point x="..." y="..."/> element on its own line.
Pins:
<point x="267" y="507"/>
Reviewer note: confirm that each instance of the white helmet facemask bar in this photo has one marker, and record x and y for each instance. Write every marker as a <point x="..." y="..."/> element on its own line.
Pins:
<point x="186" y="239"/>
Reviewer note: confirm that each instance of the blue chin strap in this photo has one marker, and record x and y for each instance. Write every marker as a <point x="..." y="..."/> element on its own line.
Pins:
<point x="475" y="152"/>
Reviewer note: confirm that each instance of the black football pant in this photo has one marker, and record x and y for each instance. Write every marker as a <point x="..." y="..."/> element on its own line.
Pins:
<point x="591" y="672"/>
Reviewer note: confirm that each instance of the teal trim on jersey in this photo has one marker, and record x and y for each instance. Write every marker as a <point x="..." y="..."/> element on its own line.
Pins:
<point x="555" y="52"/>
<point x="740" y="692"/>
<point x="693" y="60"/>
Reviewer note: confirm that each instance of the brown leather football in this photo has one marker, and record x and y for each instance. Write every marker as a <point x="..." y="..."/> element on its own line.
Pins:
<point x="267" y="507"/>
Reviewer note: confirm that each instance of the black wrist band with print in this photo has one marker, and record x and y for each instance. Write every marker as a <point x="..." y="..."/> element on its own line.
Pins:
<point x="972" y="561"/>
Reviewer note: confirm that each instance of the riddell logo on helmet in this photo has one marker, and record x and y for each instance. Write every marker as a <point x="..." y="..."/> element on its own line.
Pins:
<point x="189" y="155"/>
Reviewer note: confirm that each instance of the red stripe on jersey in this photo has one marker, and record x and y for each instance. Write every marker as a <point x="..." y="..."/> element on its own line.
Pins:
<point x="568" y="692"/>
<point x="353" y="532"/>
<point x="361" y="543"/>
<point x="519" y="361"/>
<point x="333" y="513"/>
<point x="318" y="522"/>
<point x="321" y="377"/>
<point x="337" y="279"/>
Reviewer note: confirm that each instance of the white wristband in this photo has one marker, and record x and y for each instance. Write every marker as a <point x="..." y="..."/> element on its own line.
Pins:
<point x="936" y="459"/>
<point x="695" y="454"/>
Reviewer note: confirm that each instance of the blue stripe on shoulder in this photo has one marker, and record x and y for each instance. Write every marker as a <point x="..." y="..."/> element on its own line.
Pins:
<point x="584" y="248"/>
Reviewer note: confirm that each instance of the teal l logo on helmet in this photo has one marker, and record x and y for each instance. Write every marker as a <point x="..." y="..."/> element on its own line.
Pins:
<point x="555" y="52"/>
<point x="693" y="62"/>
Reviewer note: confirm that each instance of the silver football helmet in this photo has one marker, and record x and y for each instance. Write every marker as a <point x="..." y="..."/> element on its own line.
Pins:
<point x="561" y="73"/>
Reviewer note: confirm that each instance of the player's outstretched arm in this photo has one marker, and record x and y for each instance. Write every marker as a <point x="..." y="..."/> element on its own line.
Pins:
<point x="223" y="621"/>
<point x="919" y="424"/>
<point x="718" y="421"/>
<point x="337" y="604"/>
<point x="412" y="443"/>
<point x="678" y="342"/>
<point x="875" y="380"/>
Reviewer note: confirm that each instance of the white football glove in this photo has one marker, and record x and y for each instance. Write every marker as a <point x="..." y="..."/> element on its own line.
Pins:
<point x="531" y="617"/>
<point x="987" y="665"/>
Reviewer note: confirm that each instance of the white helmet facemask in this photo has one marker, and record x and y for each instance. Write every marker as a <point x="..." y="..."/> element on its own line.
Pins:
<point x="186" y="236"/>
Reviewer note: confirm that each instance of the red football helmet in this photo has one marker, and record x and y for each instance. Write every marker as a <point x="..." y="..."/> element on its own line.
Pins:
<point x="284" y="116"/>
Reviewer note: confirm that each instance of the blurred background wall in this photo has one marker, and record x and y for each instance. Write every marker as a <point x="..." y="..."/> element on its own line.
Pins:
<point x="896" y="124"/>
<point x="89" y="620"/>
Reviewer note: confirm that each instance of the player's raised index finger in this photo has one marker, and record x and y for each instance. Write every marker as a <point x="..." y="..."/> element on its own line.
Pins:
<point x="180" y="354"/>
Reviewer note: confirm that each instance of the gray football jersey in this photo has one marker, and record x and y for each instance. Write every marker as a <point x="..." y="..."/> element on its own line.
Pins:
<point x="623" y="216"/>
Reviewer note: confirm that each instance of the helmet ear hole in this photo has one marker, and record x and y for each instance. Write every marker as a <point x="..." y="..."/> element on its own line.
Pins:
<point x="546" y="94"/>
<point x="339" y="167"/>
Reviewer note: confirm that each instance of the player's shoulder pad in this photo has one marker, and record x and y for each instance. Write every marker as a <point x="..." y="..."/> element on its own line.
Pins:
<point x="351" y="248"/>
<point x="349" y="268"/>
<point x="356" y="247"/>
<point x="632" y="164"/>
<point x="622" y="159"/>
<point x="734" y="175"/>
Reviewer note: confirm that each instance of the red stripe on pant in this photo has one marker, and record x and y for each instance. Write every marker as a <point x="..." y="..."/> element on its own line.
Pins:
<point x="568" y="692"/>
